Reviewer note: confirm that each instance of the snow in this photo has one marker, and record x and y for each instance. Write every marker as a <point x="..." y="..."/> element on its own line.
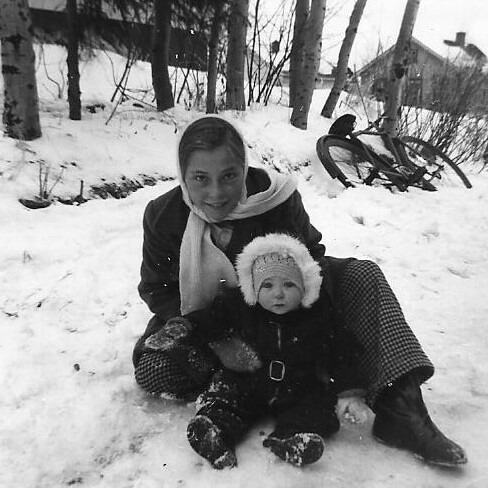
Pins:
<point x="71" y="413"/>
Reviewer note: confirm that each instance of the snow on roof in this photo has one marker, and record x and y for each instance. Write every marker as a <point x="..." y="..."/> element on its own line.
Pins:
<point x="444" y="51"/>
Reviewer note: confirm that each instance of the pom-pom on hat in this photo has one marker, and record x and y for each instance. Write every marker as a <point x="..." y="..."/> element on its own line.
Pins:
<point x="278" y="255"/>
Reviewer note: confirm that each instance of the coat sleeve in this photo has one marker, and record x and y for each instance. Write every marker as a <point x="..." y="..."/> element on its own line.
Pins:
<point x="159" y="286"/>
<point x="219" y="319"/>
<point x="300" y="218"/>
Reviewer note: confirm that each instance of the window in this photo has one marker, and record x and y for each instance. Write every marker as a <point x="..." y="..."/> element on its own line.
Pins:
<point x="414" y="55"/>
<point x="413" y="92"/>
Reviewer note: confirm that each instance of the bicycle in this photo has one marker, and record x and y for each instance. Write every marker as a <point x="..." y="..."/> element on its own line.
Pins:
<point x="398" y="162"/>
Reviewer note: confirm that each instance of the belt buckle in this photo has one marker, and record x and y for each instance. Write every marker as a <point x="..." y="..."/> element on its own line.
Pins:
<point x="277" y="370"/>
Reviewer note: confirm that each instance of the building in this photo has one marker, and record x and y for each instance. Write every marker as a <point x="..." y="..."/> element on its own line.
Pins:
<point x="427" y="72"/>
<point x="188" y="48"/>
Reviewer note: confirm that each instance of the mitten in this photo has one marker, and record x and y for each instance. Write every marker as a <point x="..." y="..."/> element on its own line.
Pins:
<point x="352" y="408"/>
<point x="236" y="355"/>
<point x="172" y="333"/>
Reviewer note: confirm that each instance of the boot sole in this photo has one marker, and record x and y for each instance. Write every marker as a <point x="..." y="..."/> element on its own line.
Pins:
<point x="298" y="450"/>
<point x="418" y="456"/>
<point x="207" y="440"/>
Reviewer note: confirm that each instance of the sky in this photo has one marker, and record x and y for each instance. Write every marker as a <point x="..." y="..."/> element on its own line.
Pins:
<point x="71" y="413"/>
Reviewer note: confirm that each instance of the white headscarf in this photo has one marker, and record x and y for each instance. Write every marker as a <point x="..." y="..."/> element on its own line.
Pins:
<point x="204" y="268"/>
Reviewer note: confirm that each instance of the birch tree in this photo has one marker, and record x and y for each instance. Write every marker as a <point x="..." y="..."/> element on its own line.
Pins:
<point x="236" y="55"/>
<point x="163" y="91"/>
<point x="74" y="92"/>
<point x="213" y="53"/>
<point x="297" y="54"/>
<point x="21" y="101"/>
<point x="313" y="49"/>
<point x="343" y="60"/>
<point x="399" y="69"/>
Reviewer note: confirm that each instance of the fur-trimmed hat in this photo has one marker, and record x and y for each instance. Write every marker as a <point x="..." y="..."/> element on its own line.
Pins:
<point x="282" y="255"/>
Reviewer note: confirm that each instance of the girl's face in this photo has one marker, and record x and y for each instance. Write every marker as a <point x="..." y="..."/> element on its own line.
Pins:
<point x="279" y="295"/>
<point x="214" y="179"/>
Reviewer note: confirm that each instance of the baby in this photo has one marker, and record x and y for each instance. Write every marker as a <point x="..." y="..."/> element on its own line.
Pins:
<point x="280" y="313"/>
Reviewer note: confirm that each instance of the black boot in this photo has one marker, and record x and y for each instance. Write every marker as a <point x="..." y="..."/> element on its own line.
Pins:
<point x="402" y="420"/>
<point x="297" y="449"/>
<point x="210" y="442"/>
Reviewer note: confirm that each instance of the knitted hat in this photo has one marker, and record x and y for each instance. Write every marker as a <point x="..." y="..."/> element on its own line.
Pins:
<point x="276" y="264"/>
<point x="278" y="255"/>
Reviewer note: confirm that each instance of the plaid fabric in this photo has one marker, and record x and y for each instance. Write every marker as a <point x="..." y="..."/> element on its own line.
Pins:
<point x="158" y="374"/>
<point x="374" y="316"/>
<point x="370" y="312"/>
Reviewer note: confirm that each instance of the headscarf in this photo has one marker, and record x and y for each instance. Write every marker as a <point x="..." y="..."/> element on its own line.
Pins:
<point x="204" y="268"/>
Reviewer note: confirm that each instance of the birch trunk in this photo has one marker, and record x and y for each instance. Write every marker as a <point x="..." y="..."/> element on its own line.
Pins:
<point x="74" y="92"/>
<point x="343" y="60"/>
<point x="399" y="69"/>
<point x="236" y="55"/>
<point x="297" y="54"/>
<point x="21" y="101"/>
<point x="313" y="49"/>
<point x="163" y="91"/>
<point x="213" y="53"/>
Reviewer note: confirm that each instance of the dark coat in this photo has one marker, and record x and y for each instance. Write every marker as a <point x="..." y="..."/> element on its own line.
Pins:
<point x="294" y="348"/>
<point x="165" y="221"/>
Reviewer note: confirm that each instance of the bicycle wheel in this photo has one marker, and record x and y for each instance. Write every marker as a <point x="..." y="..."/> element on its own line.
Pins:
<point x="440" y="169"/>
<point x="348" y="162"/>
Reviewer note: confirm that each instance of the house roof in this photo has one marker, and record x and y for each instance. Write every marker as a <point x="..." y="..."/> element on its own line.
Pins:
<point x="384" y="54"/>
<point x="462" y="54"/>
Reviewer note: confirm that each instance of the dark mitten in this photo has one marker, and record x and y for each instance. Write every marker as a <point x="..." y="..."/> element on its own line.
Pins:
<point x="172" y="333"/>
<point x="236" y="355"/>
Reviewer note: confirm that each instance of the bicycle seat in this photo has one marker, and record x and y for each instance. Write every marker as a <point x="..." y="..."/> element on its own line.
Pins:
<point x="343" y="126"/>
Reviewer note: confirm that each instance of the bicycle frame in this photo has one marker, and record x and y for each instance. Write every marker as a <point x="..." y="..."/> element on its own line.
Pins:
<point x="401" y="165"/>
<point x="397" y="172"/>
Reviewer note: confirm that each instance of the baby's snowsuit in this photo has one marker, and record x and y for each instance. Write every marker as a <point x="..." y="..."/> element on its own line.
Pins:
<point x="291" y="383"/>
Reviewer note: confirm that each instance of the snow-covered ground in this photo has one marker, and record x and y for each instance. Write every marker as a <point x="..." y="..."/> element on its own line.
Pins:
<point x="71" y="413"/>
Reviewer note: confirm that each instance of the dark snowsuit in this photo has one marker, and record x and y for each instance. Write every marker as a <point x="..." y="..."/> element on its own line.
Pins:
<point x="293" y="382"/>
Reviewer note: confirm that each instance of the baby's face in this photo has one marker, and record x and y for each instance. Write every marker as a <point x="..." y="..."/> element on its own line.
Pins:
<point x="279" y="295"/>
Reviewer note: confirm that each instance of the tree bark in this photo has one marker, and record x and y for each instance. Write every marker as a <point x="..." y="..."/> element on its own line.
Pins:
<point x="399" y="69"/>
<point x="313" y="49"/>
<point x="236" y="55"/>
<point x="163" y="90"/>
<point x="21" y="101"/>
<point x="74" y="92"/>
<point x="213" y="54"/>
<point x="343" y="60"/>
<point x="297" y="54"/>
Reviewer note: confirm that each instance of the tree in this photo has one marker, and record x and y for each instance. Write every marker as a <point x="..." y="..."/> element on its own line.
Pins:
<point x="343" y="61"/>
<point x="399" y="69"/>
<point x="269" y="49"/>
<point x="236" y="55"/>
<point x="72" y="62"/>
<point x="160" y="55"/>
<point x="313" y="48"/>
<point x="297" y="55"/>
<point x="21" y="101"/>
<point x="213" y="53"/>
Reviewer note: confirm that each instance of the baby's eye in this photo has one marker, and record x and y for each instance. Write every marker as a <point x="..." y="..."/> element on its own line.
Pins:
<point x="267" y="284"/>
<point x="289" y="284"/>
